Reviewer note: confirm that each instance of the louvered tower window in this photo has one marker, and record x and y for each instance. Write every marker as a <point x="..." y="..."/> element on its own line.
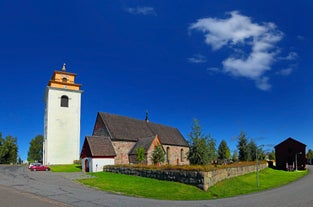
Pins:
<point x="64" y="101"/>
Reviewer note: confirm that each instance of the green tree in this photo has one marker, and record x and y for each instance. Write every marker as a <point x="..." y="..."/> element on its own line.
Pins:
<point x="8" y="150"/>
<point x="309" y="155"/>
<point x="35" y="149"/>
<point x="19" y="160"/>
<point x="235" y="156"/>
<point x="223" y="151"/>
<point x="261" y="153"/>
<point x="242" y="147"/>
<point x="158" y="155"/>
<point x="271" y="155"/>
<point x="199" y="151"/>
<point x="211" y="148"/>
<point x="252" y="151"/>
<point x="140" y="154"/>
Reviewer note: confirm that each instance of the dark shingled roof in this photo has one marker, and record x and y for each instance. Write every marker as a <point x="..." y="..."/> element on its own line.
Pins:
<point x="129" y="129"/>
<point x="289" y="140"/>
<point x="100" y="146"/>
<point x="145" y="143"/>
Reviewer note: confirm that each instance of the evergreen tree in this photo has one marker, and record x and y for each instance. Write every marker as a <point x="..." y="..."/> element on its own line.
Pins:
<point x="235" y="156"/>
<point x="35" y="152"/>
<point x="242" y="147"/>
<point x="252" y="151"/>
<point x="158" y="155"/>
<point x="140" y="154"/>
<point x="211" y="148"/>
<point x="261" y="153"/>
<point x="309" y="155"/>
<point x="223" y="151"/>
<point x="199" y="151"/>
<point x="271" y="155"/>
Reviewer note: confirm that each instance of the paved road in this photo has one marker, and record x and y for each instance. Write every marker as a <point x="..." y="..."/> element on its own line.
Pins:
<point x="59" y="187"/>
<point x="11" y="198"/>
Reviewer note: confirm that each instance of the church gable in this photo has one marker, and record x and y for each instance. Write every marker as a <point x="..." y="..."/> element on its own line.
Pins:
<point x="100" y="128"/>
<point x="148" y="144"/>
<point x="98" y="146"/>
<point x="85" y="150"/>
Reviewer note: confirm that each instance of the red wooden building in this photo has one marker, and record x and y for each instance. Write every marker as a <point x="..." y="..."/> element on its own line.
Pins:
<point x="290" y="155"/>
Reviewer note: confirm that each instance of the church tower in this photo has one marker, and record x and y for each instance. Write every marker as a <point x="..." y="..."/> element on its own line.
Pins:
<point x="62" y="119"/>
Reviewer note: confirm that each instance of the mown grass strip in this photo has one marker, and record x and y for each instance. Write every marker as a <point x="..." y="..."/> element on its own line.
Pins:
<point x="164" y="190"/>
<point x="66" y="168"/>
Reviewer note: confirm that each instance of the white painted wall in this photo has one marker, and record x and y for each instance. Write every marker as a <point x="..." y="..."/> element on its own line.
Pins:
<point x="96" y="164"/>
<point x="62" y="127"/>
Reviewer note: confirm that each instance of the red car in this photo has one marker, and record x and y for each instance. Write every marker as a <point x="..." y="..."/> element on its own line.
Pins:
<point x="39" y="167"/>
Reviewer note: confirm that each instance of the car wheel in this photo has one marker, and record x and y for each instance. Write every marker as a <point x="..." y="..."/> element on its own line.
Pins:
<point x="47" y="169"/>
<point x="34" y="169"/>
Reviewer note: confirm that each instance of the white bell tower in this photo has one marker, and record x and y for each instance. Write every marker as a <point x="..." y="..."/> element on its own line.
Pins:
<point x="62" y="119"/>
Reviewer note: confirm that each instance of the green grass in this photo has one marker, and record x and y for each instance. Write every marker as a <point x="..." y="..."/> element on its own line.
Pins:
<point x="66" y="168"/>
<point x="268" y="178"/>
<point x="164" y="190"/>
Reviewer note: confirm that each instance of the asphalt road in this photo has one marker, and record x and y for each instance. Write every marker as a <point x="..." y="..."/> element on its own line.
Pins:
<point x="59" y="189"/>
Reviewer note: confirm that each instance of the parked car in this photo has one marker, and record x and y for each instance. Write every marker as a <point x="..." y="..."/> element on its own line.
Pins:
<point x="33" y="163"/>
<point x="39" y="167"/>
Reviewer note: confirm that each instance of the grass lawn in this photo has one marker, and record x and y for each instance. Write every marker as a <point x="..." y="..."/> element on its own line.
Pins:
<point x="268" y="178"/>
<point x="164" y="190"/>
<point x="66" y="168"/>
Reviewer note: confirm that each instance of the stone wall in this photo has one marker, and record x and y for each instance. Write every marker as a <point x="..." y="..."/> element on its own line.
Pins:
<point x="203" y="180"/>
<point x="176" y="155"/>
<point x="122" y="149"/>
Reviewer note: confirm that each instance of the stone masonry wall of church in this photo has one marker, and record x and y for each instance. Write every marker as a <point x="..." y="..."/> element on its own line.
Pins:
<point x="175" y="155"/>
<point x="122" y="149"/>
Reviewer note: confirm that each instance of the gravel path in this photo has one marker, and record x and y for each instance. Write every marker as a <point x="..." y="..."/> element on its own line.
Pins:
<point x="61" y="187"/>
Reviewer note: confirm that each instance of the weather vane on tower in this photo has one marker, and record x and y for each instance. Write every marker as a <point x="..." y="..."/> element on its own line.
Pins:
<point x="64" y="68"/>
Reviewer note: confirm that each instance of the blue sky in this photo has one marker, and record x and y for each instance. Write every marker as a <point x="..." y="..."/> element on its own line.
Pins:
<point x="233" y="65"/>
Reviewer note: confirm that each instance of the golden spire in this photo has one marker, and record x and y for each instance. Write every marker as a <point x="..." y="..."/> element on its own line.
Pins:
<point x="64" y="68"/>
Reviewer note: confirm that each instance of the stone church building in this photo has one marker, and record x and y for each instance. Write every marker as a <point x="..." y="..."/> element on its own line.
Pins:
<point x="115" y="139"/>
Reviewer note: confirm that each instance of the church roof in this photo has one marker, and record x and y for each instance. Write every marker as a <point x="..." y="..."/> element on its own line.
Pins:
<point x="98" y="146"/>
<point x="145" y="143"/>
<point x="124" y="128"/>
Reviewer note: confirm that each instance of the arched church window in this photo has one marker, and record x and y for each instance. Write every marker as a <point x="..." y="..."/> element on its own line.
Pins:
<point x="64" y="80"/>
<point x="64" y="101"/>
<point x="182" y="155"/>
<point x="168" y="155"/>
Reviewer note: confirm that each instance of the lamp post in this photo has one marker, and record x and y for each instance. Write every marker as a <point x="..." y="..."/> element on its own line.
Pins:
<point x="300" y="153"/>
<point x="257" y="165"/>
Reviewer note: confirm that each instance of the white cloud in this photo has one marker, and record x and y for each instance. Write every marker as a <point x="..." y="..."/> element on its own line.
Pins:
<point x="285" y="72"/>
<point x="237" y="32"/>
<point x="145" y="10"/>
<point x="213" y="70"/>
<point x="290" y="56"/>
<point x="197" y="58"/>
<point x="300" y="37"/>
<point x="262" y="83"/>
